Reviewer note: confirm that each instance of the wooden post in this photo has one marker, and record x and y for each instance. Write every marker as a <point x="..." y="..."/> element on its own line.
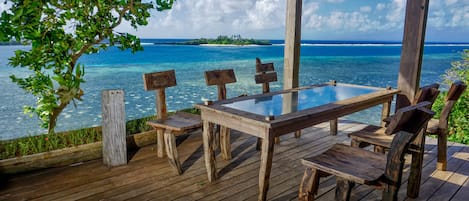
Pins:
<point x="161" y="114"/>
<point x="292" y="44"/>
<point x="114" y="144"/>
<point x="412" y="51"/>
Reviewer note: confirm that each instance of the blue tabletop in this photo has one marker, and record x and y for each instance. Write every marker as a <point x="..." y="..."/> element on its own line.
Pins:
<point x="289" y="102"/>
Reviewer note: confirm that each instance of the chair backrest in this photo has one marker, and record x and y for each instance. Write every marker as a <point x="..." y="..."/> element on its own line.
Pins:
<point x="419" y="117"/>
<point x="159" y="81"/>
<point x="455" y="91"/>
<point x="265" y="73"/>
<point x="401" y="121"/>
<point x="220" y="78"/>
<point x="427" y="93"/>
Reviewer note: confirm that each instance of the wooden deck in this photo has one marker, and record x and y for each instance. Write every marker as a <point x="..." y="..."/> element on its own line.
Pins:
<point x="148" y="178"/>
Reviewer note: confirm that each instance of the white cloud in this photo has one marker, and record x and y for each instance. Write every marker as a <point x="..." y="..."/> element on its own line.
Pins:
<point x="450" y="2"/>
<point x="365" y="9"/>
<point x="444" y="14"/>
<point x="380" y="6"/>
<point x="266" y="14"/>
<point x="209" y="18"/>
<point x="395" y="16"/>
<point x="335" y="1"/>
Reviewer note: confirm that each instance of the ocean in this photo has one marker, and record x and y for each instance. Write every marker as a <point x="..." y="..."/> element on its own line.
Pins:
<point x="356" y="62"/>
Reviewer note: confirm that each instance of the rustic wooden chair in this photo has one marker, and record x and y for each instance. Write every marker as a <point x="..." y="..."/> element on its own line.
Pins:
<point x="168" y="127"/>
<point x="381" y="139"/>
<point x="354" y="165"/>
<point x="220" y="78"/>
<point x="439" y="126"/>
<point x="265" y="74"/>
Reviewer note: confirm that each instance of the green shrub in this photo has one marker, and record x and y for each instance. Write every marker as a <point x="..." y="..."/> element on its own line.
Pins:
<point x="458" y="122"/>
<point x="48" y="142"/>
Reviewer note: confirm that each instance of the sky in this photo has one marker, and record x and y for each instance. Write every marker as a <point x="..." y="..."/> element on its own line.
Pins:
<point x="448" y="20"/>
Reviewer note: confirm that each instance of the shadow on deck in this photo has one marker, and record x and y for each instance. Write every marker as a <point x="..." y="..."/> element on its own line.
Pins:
<point x="148" y="178"/>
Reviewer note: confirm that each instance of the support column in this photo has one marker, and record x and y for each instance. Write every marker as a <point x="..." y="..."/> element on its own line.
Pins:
<point x="412" y="51"/>
<point x="292" y="44"/>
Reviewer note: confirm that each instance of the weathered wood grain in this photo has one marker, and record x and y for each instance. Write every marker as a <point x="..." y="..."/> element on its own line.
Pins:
<point x="440" y="127"/>
<point x="412" y="51"/>
<point x="176" y="124"/>
<point x="159" y="80"/>
<point x="291" y="65"/>
<point x="147" y="178"/>
<point x="114" y="135"/>
<point x="220" y="77"/>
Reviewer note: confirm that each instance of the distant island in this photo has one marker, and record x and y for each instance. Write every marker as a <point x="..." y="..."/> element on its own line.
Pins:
<point x="226" y="40"/>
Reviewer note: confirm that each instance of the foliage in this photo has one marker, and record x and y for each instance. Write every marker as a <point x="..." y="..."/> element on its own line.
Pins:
<point x="48" y="142"/>
<point x="225" y="40"/>
<point x="60" y="32"/>
<point x="459" y="118"/>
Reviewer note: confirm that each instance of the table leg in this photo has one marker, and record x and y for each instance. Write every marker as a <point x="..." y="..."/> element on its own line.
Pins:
<point x="267" y="153"/>
<point x="225" y="144"/>
<point x="209" y="153"/>
<point x="333" y="123"/>
<point x="385" y="112"/>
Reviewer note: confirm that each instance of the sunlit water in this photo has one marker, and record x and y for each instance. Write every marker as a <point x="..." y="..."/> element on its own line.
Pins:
<point x="372" y="65"/>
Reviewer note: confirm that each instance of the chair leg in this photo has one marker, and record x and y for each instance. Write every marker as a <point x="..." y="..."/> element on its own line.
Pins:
<point x="390" y="193"/>
<point x="298" y="134"/>
<point x="357" y="143"/>
<point x="277" y="140"/>
<point x="379" y="149"/>
<point x="225" y="144"/>
<point x="160" y="143"/>
<point x="171" y="151"/>
<point x="343" y="189"/>
<point x="333" y="126"/>
<point x="413" y="184"/>
<point x="442" y="151"/>
<point x="309" y="185"/>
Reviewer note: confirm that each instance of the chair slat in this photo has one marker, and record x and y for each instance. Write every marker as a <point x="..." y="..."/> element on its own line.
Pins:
<point x="263" y="67"/>
<point x="220" y="77"/>
<point x="159" y="80"/>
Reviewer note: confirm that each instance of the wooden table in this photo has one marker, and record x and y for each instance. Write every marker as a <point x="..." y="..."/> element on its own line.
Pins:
<point x="278" y="113"/>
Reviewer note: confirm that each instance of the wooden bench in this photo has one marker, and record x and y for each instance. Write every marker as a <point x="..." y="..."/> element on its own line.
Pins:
<point x="354" y="165"/>
<point x="439" y="126"/>
<point x="168" y="127"/>
<point x="220" y="78"/>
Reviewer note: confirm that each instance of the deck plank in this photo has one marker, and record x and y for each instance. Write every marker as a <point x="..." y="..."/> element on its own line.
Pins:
<point x="148" y="178"/>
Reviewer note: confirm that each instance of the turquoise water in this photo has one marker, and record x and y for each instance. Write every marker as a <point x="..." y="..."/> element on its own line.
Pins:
<point x="366" y="64"/>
